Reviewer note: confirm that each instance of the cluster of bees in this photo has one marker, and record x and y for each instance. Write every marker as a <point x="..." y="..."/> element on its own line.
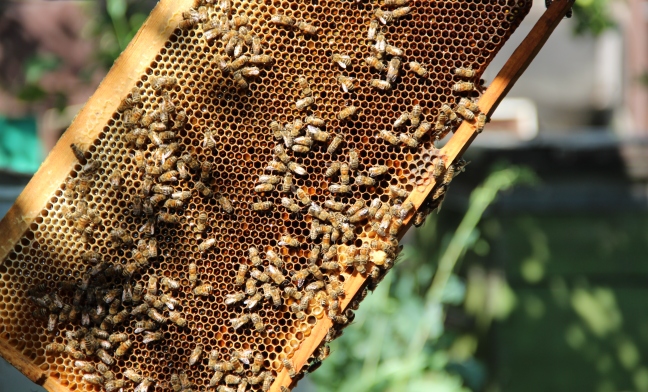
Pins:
<point x="242" y="55"/>
<point x="107" y="296"/>
<point x="103" y="300"/>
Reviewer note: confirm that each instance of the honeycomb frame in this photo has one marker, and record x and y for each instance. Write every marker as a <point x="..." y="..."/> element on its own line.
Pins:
<point x="21" y="224"/>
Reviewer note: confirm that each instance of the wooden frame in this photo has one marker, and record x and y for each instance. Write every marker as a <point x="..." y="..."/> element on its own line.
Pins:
<point x="128" y="69"/>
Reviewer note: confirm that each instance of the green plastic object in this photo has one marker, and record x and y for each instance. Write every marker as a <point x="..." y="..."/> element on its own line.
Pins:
<point x="20" y="148"/>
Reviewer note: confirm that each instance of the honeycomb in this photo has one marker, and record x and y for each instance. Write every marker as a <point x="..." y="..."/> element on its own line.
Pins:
<point x="195" y="135"/>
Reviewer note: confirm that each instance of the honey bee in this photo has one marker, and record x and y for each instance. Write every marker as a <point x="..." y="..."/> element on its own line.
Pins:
<point x="480" y="123"/>
<point x="464" y="72"/>
<point x="290" y="368"/>
<point x="256" y="46"/>
<point x="240" y="275"/>
<point x="277" y="130"/>
<point x="235" y="66"/>
<point x="144" y="385"/>
<point x="238" y="21"/>
<point x="189" y="20"/>
<point x="119" y="237"/>
<point x="438" y="167"/>
<point x="393" y="69"/>
<point x="250" y="72"/>
<point x="347" y="112"/>
<point x="275" y="295"/>
<point x="163" y="82"/>
<point x="274" y="258"/>
<point x="290" y="205"/>
<point x="307" y="28"/>
<point x="304" y="103"/>
<point x="232" y="299"/>
<point x="422" y="130"/>
<point x="463" y="86"/>
<point x="364" y="181"/>
<point x="123" y="348"/>
<point x="401" y="12"/>
<point x="238" y="322"/>
<point x="264" y="188"/>
<point x="132" y="117"/>
<point x="130" y="101"/>
<point x="447" y="113"/>
<point x="283" y="20"/>
<point x="287" y="240"/>
<point x="357" y="206"/>
<point x="383" y="16"/>
<point x="55" y="347"/>
<point x="257" y="322"/>
<point x="314" y="254"/>
<point x="280" y="152"/>
<point x="203" y="290"/>
<point x="133" y="375"/>
<point x="113" y="385"/>
<point x="195" y="354"/>
<point x="318" y="212"/>
<point x="333" y="168"/>
<point x="173" y="203"/>
<point x="339" y="188"/>
<point x="276" y="275"/>
<point x="261" y="59"/>
<point x="303" y="85"/>
<point x="401" y="120"/>
<point x="168" y="218"/>
<point x="117" y="338"/>
<point x="415" y="115"/>
<point x="389" y="137"/>
<point x="342" y="60"/>
<point x="241" y="83"/>
<point x="380" y="46"/>
<point x="317" y="134"/>
<point x="150" y="337"/>
<point x="405" y="210"/>
<point x="276" y="166"/>
<point x="267" y="382"/>
<point x="94" y="379"/>
<point x="170" y="284"/>
<point x="394" y="51"/>
<point x="90" y="167"/>
<point x="398" y="192"/>
<point x="381" y="85"/>
<point x="344" y="171"/>
<point x="346" y="82"/>
<point x="468" y="104"/>
<point x="464" y="112"/>
<point x="408" y="140"/>
<point x="206" y="244"/>
<point x="354" y="160"/>
<point x="226" y="204"/>
<point x="78" y="152"/>
<point x="262" y="206"/>
<point x="250" y="287"/>
<point x="203" y="189"/>
<point x="297" y="169"/>
<point x="334" y="145"/>
<point x="156" y="316"/>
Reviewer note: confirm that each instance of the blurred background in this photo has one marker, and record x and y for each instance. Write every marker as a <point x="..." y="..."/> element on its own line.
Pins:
<point x="544" y="238"/>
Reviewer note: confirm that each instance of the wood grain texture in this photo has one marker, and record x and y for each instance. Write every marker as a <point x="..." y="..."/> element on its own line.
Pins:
<point x="453" y="150"/>
<point x="85" y="128"/>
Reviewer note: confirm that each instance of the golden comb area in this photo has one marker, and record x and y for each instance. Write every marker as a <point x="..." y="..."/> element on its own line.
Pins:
<point x="97" y="274"/>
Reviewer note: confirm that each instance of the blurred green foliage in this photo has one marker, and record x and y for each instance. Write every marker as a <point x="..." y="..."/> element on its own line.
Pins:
<point x="398" y="341"/>
<point x="593" y="16"/>
<point x="115" y="23"/>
